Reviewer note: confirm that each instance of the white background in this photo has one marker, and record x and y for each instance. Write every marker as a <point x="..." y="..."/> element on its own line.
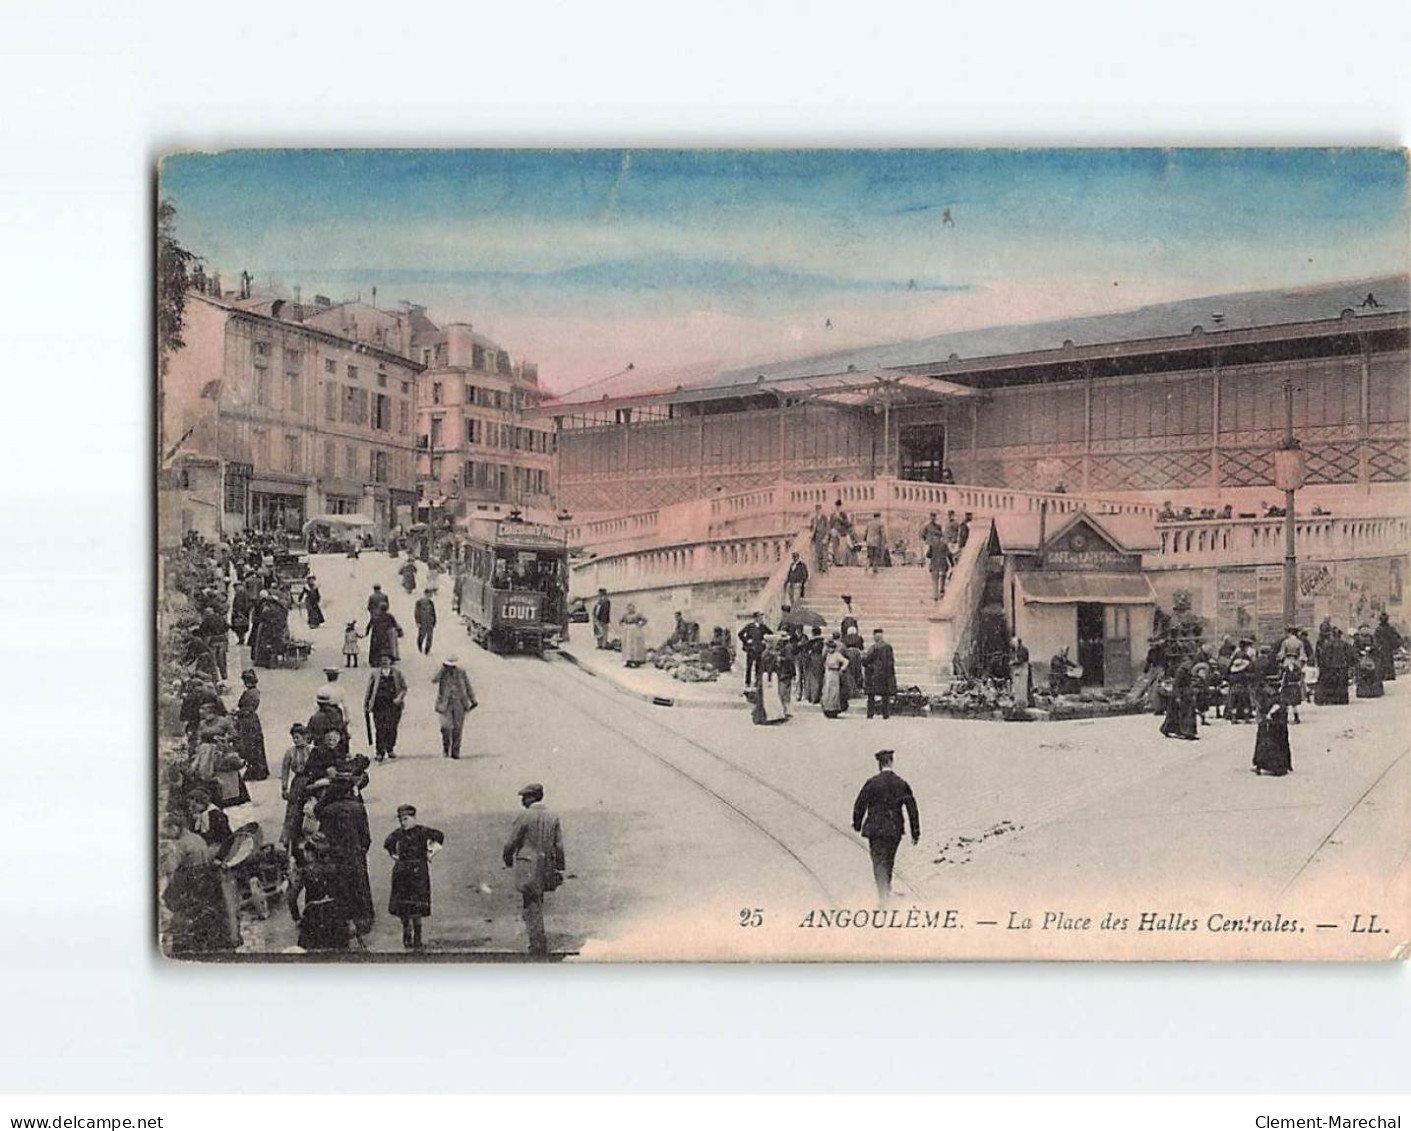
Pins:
<point x="92" y="91"/>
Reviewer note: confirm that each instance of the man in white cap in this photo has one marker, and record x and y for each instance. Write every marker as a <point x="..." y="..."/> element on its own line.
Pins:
<point x="535" y="852"/>
<point x="455" y="699"/>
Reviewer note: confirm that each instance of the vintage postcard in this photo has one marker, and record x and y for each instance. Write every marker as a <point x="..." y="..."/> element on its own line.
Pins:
<point x="783" y="555"/>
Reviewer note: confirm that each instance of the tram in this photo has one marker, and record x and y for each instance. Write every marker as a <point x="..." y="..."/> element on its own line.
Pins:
<point x="514" y="585"/>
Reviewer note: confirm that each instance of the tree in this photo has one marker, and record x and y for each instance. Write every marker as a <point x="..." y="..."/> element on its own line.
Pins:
<point x="174" y="264"/>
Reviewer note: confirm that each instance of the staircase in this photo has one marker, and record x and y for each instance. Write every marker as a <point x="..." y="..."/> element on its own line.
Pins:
<point x="898" y="600"/>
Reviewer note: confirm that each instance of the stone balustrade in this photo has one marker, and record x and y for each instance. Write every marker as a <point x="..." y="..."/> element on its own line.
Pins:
<point x="1201" y="544"/>
<point x="784" y="506"/>
<point x="722" y="559"/>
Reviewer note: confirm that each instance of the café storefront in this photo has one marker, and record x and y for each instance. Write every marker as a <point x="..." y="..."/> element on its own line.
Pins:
<point x="1077" y="588"/>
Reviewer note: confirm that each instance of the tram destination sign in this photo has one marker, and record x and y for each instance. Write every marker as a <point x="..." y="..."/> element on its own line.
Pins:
<point x="529" y="534"/>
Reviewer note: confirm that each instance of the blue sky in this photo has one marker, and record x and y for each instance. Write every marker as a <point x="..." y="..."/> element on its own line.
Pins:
<point x="588" y="260"/>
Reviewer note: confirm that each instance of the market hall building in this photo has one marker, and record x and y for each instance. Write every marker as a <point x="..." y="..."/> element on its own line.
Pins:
<point x="692" y="498"/>
<point x="1182" y="401"/>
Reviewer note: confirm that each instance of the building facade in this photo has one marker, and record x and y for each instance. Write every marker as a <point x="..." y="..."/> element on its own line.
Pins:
<point x="302" y="422"/>
<point x="1183" y="401"/>
<point x="478" y="451"/>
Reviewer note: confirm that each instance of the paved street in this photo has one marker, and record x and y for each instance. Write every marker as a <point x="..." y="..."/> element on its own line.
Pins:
<point x="676" y="819"/>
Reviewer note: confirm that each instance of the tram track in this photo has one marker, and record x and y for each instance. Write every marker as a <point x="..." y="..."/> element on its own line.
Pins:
<point x="585" y="702"/>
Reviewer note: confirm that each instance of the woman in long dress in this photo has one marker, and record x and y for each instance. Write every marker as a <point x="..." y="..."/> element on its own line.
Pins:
<point x="834" y="665"/>
<point x="249" y="732"/>
<point x="313" y="602"/>
<point x="1369" y="683"/>
<point x="1387" y="641"/>
<point x="634" y="638"/>
<point x="769" y="702"/>
<point x="1271" y="742"/>
<point x="1326" y="654"/>
<point x="813" y="667"/>
<point x="1021" y="678"/>
<point x="854" y="675"/>
<point x="1180" y="706"/>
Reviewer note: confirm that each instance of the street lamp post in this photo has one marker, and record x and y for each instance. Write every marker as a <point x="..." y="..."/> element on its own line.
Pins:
<point x="1289" y="472"/>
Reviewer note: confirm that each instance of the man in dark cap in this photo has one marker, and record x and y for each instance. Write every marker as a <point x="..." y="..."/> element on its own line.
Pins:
<point x="752" y="638"/>
<point x="535" y="852"/>
<point x="880" y="663"/>
<point x="425" y="616"/>
<point x="377" y="601"/>
<point x="877" y="815"/>
<point x="602" y="618"/>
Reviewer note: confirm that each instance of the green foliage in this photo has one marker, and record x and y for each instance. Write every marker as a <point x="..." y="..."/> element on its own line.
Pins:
<point x="174" y="264"/>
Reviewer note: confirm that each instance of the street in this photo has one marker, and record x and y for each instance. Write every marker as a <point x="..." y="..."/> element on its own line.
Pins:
<point x="679" y="824"/>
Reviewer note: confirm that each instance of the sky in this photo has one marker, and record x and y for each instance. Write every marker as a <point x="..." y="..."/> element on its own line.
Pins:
<point x="670" y="261"/>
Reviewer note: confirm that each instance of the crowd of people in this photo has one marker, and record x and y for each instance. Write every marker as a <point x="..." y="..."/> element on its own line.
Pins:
<point x="1169" y="513"/>
<point x="1265" y="685"/>
<point x="210" y="751"/>
<point x="840" y="539"/>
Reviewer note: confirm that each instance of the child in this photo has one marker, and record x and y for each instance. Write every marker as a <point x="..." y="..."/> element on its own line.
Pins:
<point x="350" y="645"/>
<point x="411" y="846"/>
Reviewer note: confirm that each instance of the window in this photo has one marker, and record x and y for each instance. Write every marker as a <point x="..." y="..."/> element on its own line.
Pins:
<point x="262" y="391"/>
<point x="354" y="405"/>
<point x="382" y="380"/>
<point x="328" y="459"/>
<point x="259" y="447"/>
<point x="330" y="401"/>
<point x="292" y="359"/>
<point x="406" y="388"/>
<point x="436" y="422"/>
<point x="436" y="392"/>
<point x="350" y="461"/>
<point x="291" y="454"/>
<point x="352" y="373"/>
<point x="329" y="365"/>
<point x="293" y="393"/>
<point x="473" y="430"/>
<point x="379" y="467"/>
<point x="382" y="413"/>
<point x="436" y="468"/>
<point x="261" y="351"/>
<point x="468" y="474"/>
<point x="426" y="357"/>
<point x="406" y="417"/>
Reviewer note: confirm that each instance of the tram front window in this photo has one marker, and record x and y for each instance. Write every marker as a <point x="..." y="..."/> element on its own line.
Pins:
<point x="524" y="569"/>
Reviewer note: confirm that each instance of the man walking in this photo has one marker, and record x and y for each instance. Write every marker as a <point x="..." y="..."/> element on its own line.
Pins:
<point x="386" y="692"/>
<point x="818" y="534"/>
<point x="215" y="631"/>
<point x="881" y="666"/>
<point x="377" y="601"/>
<point x="455" y="699"/>
<point x="535" y="852"/>
<point x="877" y="815"/>
<point x="796" y="582"/>
<point x="876" y="539"/>
<point x="425" y="616"/>
<point x="602" y="618"/>
<point x="752" y="639"/>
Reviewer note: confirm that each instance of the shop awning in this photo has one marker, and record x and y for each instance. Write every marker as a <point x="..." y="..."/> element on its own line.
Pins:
<point x="1098" y="588"/>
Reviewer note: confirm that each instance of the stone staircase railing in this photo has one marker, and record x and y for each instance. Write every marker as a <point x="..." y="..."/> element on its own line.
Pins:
<point x="721" y="559"/>
<point x="953" y="623"/>
<point x="786" y="506"/>
<point x="1218" y="542"/>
